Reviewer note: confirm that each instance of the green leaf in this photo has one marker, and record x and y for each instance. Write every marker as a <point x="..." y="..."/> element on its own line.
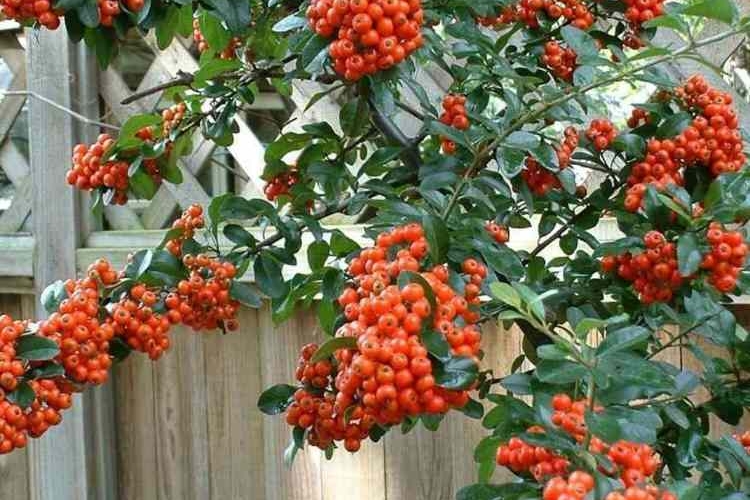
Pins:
<point x="689" y="256"/>
<point x="235" y="14"/>
<point x="23" y="396"/>
<point x="674" y="125"/>
<point x="53" y="295"/>
<point x="245" y="294"/>
<point x="354" y="117"/>
<point x="136" y="123"/>
<point x="276" y="399"/>
<point x="506" y="293"/>
<point x="317" y="253"/>
<point x="559" y="371"/>
<point x="239" y="235"/>
<point x="511" y="161"/>
<point x="342" y="245"/>
<point x="721" y="10"/>
<point x="289" y="23"/>
<point x="332" y="345"/>
<point x="436" y="234"/>
<point x="268" y="275"/>
<point x="625" y="338"/>
<point x="214" y="68"/>
<point x="581" y="42"/>
<point x="36" y="348"/>
<point x="313" y="54"/>
<point x="521" y="139"/>
<point x="456" y="373"/>
<point x="436" y="344"/>
<point x="632" y="144"/>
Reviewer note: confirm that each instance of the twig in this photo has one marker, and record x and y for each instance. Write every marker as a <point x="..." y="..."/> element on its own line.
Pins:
<point x="389" y="129"/>
<point x="416" y="114"/>
<point x="181" y="79"/>
<point x="77" y="116"/>
<point x="242" y="175"/>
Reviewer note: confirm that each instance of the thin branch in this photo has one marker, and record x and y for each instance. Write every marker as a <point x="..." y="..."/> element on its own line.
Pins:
<point x="180" y="80"/>
<point x="416" y="114"/>
<point x="77" y="116"/>
<point x="239" y="173"/>
<point x="389" y="129"/>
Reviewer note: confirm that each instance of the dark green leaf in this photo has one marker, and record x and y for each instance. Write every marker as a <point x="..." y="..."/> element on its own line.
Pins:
<point x="276" y="399"/>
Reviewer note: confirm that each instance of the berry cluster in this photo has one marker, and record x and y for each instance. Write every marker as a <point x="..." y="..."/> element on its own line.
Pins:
<point x="172" y="117"/>
<point x="202" y="301"/>
<point x="540" y="180"/>
<point x="640" y="11"/>
<point x="110" y="9"/>
<point x="33" y="11"/>
<point x="521" y="457"/>
<point x="371" y="35"/>
<point x="713" y="141"/>
<point x="76" y="327"/>
<point x="560" y="60"/>
<point x="638" y="117"/>
<point x="727" y="257"/>
<point x="281" y="184"/>
<point x="601" y="133"/>
<point x="573" y="11"/>
<point x="10" y="367"/>
<point x="388" y="375"/>
<point x="90" y="171"/>
<point x="134" y="320"/>
<point x="190" y="220"/>
<point x="506" y="16"/>
<point x="654" y="273"/>
<point x="454" y="115"/>
<point x="229" y="52"/>
<point x="576" y="487"/>
<point x="634" y="461"/>
<point x="499" y="233"/>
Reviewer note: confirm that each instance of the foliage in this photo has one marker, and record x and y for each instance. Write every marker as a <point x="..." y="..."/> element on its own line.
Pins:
<point x="500" y="152"/>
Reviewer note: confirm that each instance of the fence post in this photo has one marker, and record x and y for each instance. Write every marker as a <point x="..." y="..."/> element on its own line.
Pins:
<point x="62" y="465"/>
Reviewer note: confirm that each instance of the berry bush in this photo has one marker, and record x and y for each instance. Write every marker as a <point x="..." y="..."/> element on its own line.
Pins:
<point x="646" y="259"/>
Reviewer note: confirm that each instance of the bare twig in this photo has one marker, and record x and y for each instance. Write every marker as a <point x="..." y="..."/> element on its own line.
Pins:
<point x="39" y="97"/>
<point x="181" y="79"/>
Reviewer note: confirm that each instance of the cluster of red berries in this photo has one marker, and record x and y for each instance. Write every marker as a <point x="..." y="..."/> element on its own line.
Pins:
<point x="90" y="171"/>
<point x="635" y="461"/>
<point x="76" y="327"/>
<point x="540" y="180"/>
<point x="172" y="117"/>
<point x="134" y="320"/>
<point x="203" y="301"/>
<point x="314" y="374"/>
<point x="110" y="9"/>
<point x="560" y="60"/>
<point x="281" y="184"/>
<point x="499" y="233"/>
<point x="654" y="273"/>
<point x="389" y="376"/>
<point x="714" y="139"/>
<point x="190" y="220"/>
<point x="229" y="52"/>
<point x="454" y="115"/>
<point x="573" y="11"/>
<point x="727" y="257"/>
<point x="638" y="117"/>
<point x="576" y="487"/>
<point x="570" y="416"/>
<point x="640" y="11"/>
<point x="371" y="35"/>
<point x="601" y="133"/>
<point x="30" y="11"/>
<point x="10" y="367"/>
<point x="506" y="16"/>
<point x="52" y="397"/>
<point x="519" y="457"/>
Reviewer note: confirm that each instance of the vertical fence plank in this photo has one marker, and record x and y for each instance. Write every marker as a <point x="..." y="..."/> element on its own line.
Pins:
<point x="181" y="420"/>
<point x="280" y="346"/>
<point x="58" y="462"/>
<point x="235" y="426"/>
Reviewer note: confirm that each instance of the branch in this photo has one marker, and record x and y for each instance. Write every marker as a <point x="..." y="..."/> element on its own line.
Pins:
<point x="389" y="129"/>
<point x="181" y="79"/>
<point x="77" y="116"/>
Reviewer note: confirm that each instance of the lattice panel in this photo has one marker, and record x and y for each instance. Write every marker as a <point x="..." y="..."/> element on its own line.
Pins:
<point x="15" y="179"/>
<point x="247" y="150"/>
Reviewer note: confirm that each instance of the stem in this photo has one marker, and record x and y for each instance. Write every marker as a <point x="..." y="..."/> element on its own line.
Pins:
<point x="180" y="80"/>
<point x="389" y="129"/>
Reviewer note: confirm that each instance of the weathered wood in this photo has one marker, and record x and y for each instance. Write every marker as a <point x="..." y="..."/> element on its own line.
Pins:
<point x="12" y="54"/>
<point x="58" y="463"/>
<point x="16" y="257"/>
<point x="279" y="344"/>
<point x="13" y="162"/>
<point x="12" y="219"/>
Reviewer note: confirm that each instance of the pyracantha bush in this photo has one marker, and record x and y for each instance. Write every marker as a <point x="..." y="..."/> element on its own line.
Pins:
<point x="628" y="222"/>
